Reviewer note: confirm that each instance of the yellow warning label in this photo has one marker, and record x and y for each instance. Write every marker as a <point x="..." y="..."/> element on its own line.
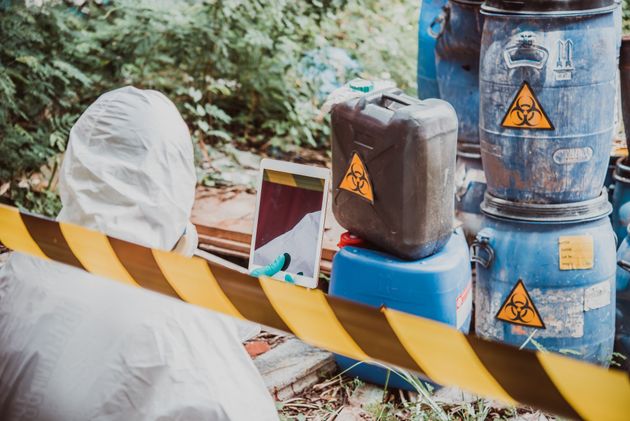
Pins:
<point x="525" y="112"/>
<point x="519" y="309"/>
<point x="575" y="252"/>
<point x="357" y="179"/>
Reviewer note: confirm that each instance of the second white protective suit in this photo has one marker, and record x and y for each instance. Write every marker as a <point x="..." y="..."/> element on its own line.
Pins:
<point x="74" y="346"/>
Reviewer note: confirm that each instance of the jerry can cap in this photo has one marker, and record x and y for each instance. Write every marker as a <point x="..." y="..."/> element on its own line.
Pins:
<point x="361" y="85"/>
<point x="348" y="239"/>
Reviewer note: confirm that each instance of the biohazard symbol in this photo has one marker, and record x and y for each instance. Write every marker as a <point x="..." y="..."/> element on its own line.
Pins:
<point x="526" y="112"/>
<point x="357" y="180"/>
<point x="519" y="309"/>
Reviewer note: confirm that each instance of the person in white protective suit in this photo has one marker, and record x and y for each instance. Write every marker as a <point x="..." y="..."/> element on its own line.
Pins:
<point x="74" y="346"/>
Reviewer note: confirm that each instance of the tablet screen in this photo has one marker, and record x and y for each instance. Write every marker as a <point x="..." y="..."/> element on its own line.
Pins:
<point x="289" y="222"/>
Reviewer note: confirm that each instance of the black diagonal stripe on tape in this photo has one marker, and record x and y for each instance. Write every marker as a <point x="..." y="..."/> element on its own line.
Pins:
<point x="521" y="376"/>
<point x="369" y="328"/>
<point x="142" y="267"/>
<point x="247" y="295"/>
<point x="48" y="236"/>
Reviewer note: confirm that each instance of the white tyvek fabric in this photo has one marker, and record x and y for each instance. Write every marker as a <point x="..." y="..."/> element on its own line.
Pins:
<point x="74" y="346"/>
<point x="128" y="169"/>
<point x="300" y="242"/>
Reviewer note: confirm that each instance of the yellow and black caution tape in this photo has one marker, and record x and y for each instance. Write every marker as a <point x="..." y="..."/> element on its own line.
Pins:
<point x="548" y="381"/>
<point x="294" y="180"/>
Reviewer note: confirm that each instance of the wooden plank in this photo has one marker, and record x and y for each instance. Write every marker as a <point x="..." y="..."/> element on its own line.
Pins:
<point x="292" y="367"/>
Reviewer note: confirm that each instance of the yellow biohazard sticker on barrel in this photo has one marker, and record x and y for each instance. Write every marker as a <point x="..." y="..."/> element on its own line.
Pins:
<point x="575" y="252"/>
<point x="519" y="308"/>
<point x="357" y="180"/>
<point x="526" y="112"/>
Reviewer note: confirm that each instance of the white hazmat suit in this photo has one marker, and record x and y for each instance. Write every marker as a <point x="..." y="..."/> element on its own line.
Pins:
<point x="74" y="346"/>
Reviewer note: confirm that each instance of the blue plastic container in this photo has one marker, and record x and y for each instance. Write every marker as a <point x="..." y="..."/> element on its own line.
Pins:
<point x="438" y="287"/>
<point x="470" y="188"/>
<point x="621" y="200"/>
<point x="457" y="64"/>
<point x="429" y="23"/>
<point x="564" y="255"/>
<point x="622" y="333"/>
<point x="547" y="88"/>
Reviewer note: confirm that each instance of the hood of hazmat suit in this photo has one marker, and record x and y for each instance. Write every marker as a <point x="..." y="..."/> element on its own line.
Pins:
<point x="74" y="346"/>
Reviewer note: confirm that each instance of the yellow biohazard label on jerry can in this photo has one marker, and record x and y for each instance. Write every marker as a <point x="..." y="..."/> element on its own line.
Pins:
<point x="525" y="112"/>
<point x="519" y="308"/>
<point x="357" y="180"/>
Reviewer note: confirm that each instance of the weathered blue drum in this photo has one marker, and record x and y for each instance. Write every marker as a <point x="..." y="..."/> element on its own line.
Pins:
<point x="546" y="277"/>
<point x="547" y="98"/>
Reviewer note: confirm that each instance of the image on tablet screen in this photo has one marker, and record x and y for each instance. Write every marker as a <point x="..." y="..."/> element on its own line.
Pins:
<point x="289" y="219"/>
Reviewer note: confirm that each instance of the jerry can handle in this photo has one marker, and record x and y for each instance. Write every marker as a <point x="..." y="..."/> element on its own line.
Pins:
<point x="524" y="52"/>
<point x="377" y="98"/>
<point x="396" y="98"/>
<point x="479" y="247"/>
<point x="623" y="264"/>
<point x="441" y="20"/>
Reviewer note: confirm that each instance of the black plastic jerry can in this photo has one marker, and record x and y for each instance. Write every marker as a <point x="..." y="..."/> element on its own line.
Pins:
<point x="393" y="171"/>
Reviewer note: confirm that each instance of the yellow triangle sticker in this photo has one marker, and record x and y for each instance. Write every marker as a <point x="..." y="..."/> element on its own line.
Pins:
<point x="357" y="180"/>
<point x="519" y="309"/>
<point x="525" y="112"/>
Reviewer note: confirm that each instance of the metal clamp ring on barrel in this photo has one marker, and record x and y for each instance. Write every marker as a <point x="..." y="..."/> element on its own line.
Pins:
<point x="525" y="53"/>
<point x="624" y="265"/>
<point x="478" y="245"/>
<point x="440" y="19"/>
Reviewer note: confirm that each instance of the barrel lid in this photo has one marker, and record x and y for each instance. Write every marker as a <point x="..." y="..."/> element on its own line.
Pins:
<point x="622" y="170"/>
<point x="546" y="6"/>
<point x="587" y="210"/>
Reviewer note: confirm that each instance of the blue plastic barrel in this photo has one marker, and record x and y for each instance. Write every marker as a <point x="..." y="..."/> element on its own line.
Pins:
<point x="438" y="287"/>
<point x="621" y="199"/>
<point x="457" y="64"/>
<point x="563" y="257"/>
<point x="429" y="22"/>
<point x="622" y="332"/>
<point x="547" y="90"/>
<point x="470" y="188"/>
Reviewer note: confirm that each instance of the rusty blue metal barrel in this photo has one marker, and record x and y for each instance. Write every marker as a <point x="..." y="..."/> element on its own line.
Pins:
<point x="457" y="64"/>
<point x="546" y="276"/>
<point x="547" y="98"/>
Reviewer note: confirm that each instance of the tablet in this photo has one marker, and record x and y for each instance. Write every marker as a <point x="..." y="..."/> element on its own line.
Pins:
<point x="289" y="221"/>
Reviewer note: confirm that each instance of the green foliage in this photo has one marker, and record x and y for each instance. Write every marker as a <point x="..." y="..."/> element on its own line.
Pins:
<point x="383" y="35"/>
<point x="39" y="88"/>
<point x="231" y="67"/>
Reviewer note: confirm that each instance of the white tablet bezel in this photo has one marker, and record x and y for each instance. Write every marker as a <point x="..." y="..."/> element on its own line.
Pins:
<point x="298" y="169"/>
